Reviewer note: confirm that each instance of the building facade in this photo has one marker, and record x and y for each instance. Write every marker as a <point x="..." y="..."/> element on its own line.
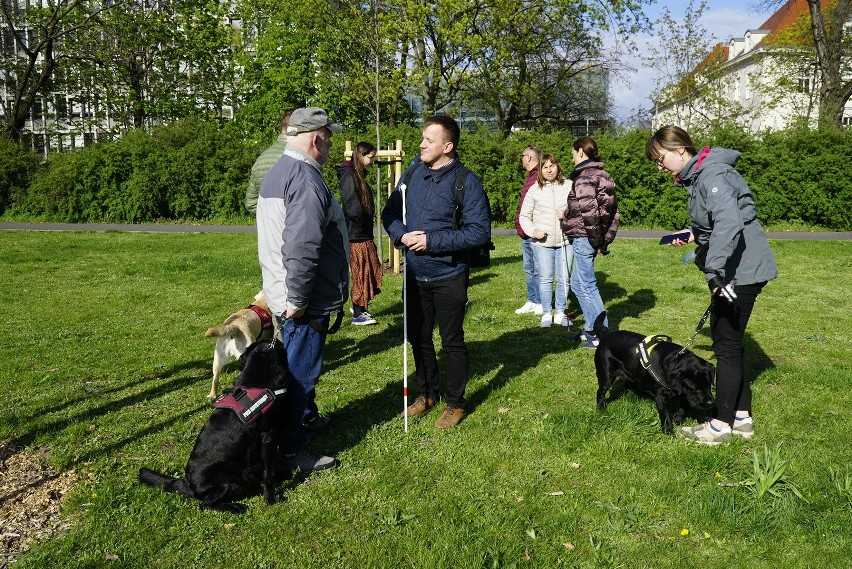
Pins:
<point x="765" y="80"/>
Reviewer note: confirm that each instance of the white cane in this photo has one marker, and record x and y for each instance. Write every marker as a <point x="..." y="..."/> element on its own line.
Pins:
<point x="402" y="189"/>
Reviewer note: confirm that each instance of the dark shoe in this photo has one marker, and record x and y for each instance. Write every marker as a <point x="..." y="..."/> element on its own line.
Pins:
<point x="316" y="424"/>
<point x="420" y="406"/>
<point x="307" y="461"/>
<point x="581" y="336"/>
<point x="451" y="417"/>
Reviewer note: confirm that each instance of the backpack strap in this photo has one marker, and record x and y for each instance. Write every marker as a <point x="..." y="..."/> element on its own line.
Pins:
<point x="406" y="176"/>
<point x="461" y="178"/>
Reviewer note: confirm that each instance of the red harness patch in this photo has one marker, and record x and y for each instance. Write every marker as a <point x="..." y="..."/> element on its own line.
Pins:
<point x="249" y="403"/>
<point x="264" y="315"/>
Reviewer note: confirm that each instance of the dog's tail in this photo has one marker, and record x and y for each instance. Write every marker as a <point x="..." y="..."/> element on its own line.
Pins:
<point x="167" y="483"/>
<point x="599" y="329"/>
<point x="226" y="330"/>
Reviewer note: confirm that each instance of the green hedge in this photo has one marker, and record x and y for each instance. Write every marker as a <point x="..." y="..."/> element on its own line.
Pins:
<point x="187" y="171"/>
<point x="198" y="171"/>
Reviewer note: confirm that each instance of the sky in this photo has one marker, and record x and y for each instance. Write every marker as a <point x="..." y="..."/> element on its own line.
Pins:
<point x="723" y="19"/>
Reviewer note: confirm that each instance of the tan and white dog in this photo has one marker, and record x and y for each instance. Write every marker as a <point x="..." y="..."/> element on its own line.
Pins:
<point x="237" y="332"/>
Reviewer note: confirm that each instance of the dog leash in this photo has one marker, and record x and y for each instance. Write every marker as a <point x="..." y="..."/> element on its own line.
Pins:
<point x="699" y="327"/>
<point x="316" y="326"/>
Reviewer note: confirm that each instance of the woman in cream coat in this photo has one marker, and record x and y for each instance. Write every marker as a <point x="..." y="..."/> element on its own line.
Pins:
<point x="539" y="218"/>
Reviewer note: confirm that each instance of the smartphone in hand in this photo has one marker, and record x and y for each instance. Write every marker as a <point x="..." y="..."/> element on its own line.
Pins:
<point x="668" y="239"/>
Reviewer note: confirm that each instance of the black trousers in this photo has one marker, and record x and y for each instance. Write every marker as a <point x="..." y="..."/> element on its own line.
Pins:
<point x="728" y="321"/>
<point x="442" y="301"/>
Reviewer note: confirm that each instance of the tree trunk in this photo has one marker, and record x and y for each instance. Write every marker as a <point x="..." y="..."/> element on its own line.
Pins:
<point x="828" y="42"/>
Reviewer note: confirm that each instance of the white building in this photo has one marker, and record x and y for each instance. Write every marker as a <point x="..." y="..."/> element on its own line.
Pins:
<point x="763" y="80"/>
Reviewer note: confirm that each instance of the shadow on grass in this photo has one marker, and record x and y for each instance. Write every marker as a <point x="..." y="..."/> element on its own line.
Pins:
<point x="161" y="388"/>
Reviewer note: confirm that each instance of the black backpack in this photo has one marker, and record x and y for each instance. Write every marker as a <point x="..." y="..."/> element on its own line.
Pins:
<point x="479" y="256"/>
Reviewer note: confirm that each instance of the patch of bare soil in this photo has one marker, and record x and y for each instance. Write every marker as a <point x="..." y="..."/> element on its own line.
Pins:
<point x="31" y="494"/>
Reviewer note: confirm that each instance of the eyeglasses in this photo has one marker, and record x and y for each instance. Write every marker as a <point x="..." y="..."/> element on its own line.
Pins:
<point x="660" y="158"/>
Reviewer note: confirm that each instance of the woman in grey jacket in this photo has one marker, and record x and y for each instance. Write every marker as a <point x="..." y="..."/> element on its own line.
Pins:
<point x="735" y="257"/>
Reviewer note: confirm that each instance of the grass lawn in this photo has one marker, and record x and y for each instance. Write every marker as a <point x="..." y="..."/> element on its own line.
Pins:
<point x="104" y="369"/>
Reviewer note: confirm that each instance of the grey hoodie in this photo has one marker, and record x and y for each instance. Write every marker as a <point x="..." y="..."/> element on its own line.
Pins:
<point x="724" y="219"/>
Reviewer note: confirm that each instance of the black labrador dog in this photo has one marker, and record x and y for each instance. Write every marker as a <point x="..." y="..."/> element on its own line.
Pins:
<point x="685" y="378"/>
<point x="235" y="454"/>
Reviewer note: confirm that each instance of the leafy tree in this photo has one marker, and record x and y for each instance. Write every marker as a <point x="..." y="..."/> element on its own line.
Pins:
<point x="154" y="60"/>
<point x="537" y="62"/>
<point x="277" y="60"/>
<point x="35" y="32"/>
<point x="833" y="46"/>
<point x="689" y="86"/>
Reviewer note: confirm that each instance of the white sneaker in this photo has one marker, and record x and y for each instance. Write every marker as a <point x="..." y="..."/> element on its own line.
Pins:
<point x="561" y="319"/>
<point x="707" y="434"/>
<point x="526" y="308"/>
<point x="743" y="427"/>
<point x="538" y="310"/>
<point x="546" y="320"/>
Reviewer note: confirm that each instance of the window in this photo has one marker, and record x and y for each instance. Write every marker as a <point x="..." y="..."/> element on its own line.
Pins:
<point x="804" y="84"/>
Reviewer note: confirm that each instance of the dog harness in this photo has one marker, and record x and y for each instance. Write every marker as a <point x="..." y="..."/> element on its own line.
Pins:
<point x="644" y="350"/>
<point x="265" y="318"/>
<point x="249" y="403"/>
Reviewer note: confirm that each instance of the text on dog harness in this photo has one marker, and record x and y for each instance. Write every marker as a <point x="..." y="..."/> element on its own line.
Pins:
<point x="249" y="403"/>
<point x="645" y="348"/>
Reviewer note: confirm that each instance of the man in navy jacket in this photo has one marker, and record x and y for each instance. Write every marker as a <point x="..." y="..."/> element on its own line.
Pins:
<point x="436" y="239"/>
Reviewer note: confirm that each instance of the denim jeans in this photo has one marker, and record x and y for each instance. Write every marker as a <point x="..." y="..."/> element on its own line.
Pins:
<point x="445" y="302"/>
<point x="728" y="321"/>
<point x="584" y="282"/>
<point x="304" y="348"/>
<point x="529" y="268"/>
<point x="552" y="264"/>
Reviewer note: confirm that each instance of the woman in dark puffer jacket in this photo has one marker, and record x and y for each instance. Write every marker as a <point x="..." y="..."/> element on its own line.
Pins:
<point x="590" y="222"/>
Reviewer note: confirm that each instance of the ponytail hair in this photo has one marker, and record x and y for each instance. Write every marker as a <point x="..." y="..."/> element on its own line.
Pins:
<point x="588" y="145"/>
<point x="365" y="196"/>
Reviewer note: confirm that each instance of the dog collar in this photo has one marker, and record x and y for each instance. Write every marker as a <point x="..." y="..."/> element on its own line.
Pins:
<point x="645" y="347"/>
<point x="264" y="315"/>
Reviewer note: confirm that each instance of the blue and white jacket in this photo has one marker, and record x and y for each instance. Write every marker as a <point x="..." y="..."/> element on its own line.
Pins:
<point x="430" y="207"/>
<point x="302" y="242"/>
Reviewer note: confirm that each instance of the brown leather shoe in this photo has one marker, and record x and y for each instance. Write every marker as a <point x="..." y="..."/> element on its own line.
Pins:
<point x="420" y="406"/>
<point x="451" y="417"/>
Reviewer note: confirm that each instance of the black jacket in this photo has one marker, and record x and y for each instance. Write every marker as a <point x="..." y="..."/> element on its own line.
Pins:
<point x="359" y="224"/>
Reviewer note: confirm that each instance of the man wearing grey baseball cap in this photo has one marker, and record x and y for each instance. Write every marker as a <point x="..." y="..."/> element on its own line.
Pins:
<point x="303" y="252"/>
<point x="309" y="119"/>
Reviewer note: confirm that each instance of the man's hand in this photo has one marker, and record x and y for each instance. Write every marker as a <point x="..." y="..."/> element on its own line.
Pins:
<point x="718" y="286"/>
<point x="415" y="240"/>
<point x="539" y="234"/>
<point x="289" y="313"/>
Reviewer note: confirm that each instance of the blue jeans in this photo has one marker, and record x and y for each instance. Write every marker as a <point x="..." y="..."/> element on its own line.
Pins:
<point x="552" y="262"/>
<point x="304" y="348"/>
<point x="584" y="282"/>
<point x="529" y="268"/>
